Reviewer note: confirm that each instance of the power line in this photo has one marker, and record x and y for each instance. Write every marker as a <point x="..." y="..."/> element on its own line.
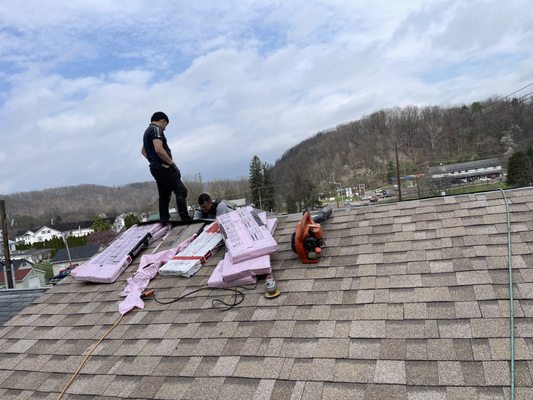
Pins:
<point x="509" y="95"/>
<point x="519" y="100"/>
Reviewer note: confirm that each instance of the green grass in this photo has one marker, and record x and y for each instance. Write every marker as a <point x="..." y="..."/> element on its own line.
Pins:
<point x="47" y="268"/>
<point x="477" y="188"/>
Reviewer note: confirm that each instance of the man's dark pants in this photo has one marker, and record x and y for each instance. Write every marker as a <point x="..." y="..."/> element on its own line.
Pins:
<point x="169" y="180"/>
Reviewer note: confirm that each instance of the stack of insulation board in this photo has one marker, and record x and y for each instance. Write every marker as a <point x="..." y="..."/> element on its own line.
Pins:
<point x="107" y="266"/>
<point x="249" y="243"/>
<point x="195" y="255"/>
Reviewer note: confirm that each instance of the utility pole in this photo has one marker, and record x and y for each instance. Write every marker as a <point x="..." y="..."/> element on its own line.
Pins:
<point x="398" y="175"/>
<point x="5" y="239"/>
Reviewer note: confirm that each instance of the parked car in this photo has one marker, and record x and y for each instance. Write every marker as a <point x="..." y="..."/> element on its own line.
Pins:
<point x="484" y="179"/>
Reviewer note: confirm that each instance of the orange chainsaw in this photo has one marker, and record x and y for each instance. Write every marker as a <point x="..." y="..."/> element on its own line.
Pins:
<point x="307" y="241"/>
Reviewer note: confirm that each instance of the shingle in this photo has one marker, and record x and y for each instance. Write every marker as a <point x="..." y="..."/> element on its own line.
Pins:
<point x="326" y="329"/>
<point x="364" y="349"/>
<point x="335" y="348"/>
<point x="258" y="367"/>
<point x="486" y="328"/>
<point x="416" y="349"/>
<point x="473" y="373"/>
<point x="473" y="278"/>
<point x="380" y="392"/>
<point x="354" y="371"/>
<point x="135" y="365"/>
<point x="467" y="309"/>
<point x="497" y="373"/>
<point x="402" y="329"/>
<point x="367" y="329"/>
<point x="441" y="310"/>
<point x="427" y="393"/>
<point x="481" y="349"/>
<point x="440" y="349"/>
<point x="392" y="349"/>
<point x="490" y="393"/>
<point x="415" y="311"/>
<point x="390" y="372"/>
<point x="282" y="329"/>
<point x="264" y="389"/>
<point x="422" y="373"/>
<point x="90" y="384"/>
<point x="463" y="349"/>
<point x="173" y="388"/>
<point x="298" y="347"/>
<point x="450" y="373"/>
<point x="236" y="388"/>
<point x="312" y="391"/>
<point x="65" y="364"/>
<point x="455" y="329"/>
<point x="305" y="329"/>
<point x="318" y="369"/>
<point x="204" y="388"/>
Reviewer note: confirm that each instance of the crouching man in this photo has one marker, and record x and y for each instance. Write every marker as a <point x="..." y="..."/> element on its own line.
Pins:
<point x="210" y="209"/>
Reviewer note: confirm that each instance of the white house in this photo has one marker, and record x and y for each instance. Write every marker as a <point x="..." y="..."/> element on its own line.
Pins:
<point x="491" y="168"/>
<point x="43" y="234"/>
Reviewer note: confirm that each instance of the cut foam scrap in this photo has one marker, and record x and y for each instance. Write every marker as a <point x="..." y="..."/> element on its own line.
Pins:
<point x="246" y="236"/>
<point x="190" y="260"/>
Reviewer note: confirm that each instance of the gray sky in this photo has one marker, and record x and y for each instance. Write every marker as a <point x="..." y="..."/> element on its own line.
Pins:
<point x="79" y="80"/>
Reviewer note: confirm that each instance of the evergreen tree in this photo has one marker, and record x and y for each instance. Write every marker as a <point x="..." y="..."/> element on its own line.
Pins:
<point x="268" y="185"/>
<point x="519" y="168"/>
<point x="130" y="220"/>
<point x="390" y="171"/>
<point x="256" y="181"/>
<point x="99" y="224"/>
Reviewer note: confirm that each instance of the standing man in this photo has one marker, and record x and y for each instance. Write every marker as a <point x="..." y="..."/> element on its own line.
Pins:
<point x="163" y="169"/>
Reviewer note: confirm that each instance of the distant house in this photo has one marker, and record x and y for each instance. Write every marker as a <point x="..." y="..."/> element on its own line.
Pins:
<point x="25" y="238"/>
<point x="43" y="234"/>
<point x="21" y="263"/>
<point x="25" y="278"/>
<point x="76" y="229"/>
<point x="78" y="255"/>
<point x="12" y="246"/>
<point x="35" y="256"/>
<point x="472" y="170"/>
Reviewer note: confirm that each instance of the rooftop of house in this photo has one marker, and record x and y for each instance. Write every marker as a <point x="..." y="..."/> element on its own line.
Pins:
<point x="410" y="301"/>
<point x="492" y="162"/>
<point x="14" y="300"/>
<point x="78" y="253"/>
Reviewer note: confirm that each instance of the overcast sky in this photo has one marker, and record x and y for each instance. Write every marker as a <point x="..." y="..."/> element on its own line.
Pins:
<point x="80" y="79"/>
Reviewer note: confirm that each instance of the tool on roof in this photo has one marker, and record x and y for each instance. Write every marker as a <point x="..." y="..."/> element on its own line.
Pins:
<point x="271" y="290"/>
<point x="307" y="241"/>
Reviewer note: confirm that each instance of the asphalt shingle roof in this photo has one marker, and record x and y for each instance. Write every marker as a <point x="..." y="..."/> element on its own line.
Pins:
<point x="76" y="253"/>
<point x="410" y="301"/>
<point x="14" y="300"/>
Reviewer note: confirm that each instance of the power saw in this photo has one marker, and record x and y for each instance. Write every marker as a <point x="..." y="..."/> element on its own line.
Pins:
<point x="307" y="241"/>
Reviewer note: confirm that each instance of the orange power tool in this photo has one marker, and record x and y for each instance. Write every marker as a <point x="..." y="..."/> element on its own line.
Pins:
<point x="307" y="241"/>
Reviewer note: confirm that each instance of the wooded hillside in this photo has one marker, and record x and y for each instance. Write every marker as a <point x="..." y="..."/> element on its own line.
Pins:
<point x="363" y="151"/>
